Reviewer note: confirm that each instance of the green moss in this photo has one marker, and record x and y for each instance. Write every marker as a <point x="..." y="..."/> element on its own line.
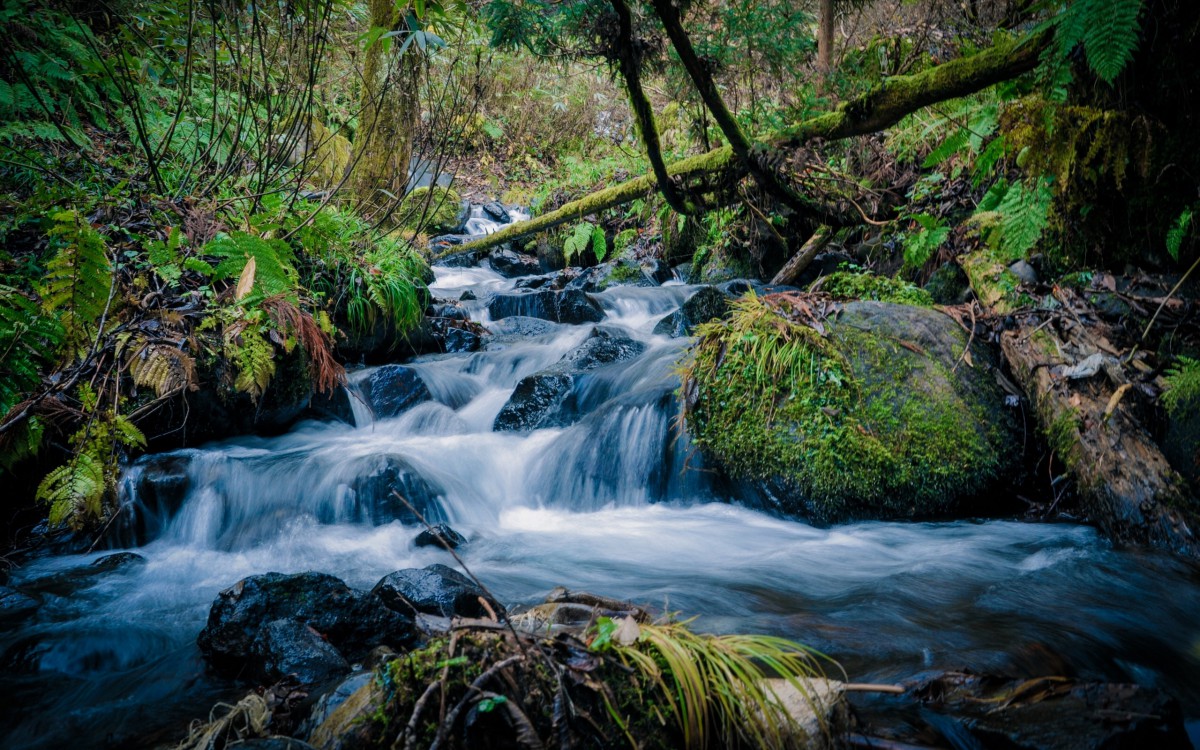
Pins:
<point x="851" y="424"/>
<point x="625" y="273"/>
<point x="1062" y="433"/>
<point x="429" y="209"/>
<point x="852" y="285"/>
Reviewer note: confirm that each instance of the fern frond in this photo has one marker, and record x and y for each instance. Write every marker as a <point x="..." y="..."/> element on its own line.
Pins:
<point x="29" y="341"/>
<point x="75" y="489"/>
<point x="275" y="269"/>
<point x="1183" y="386"/>
<point x="254" y="357"/>
<point x="1110" y="34"/>
<point x="164" y="368"/>
<point x="1178" y="232"/>
<point x="1013" y="217"/>
<point x="79" y="277"/>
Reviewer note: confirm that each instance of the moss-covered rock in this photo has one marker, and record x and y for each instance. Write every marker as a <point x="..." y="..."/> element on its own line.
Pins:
<point x="868" y="286"/>
<point x="429" y="209"/>
<point x="870" y="413"/>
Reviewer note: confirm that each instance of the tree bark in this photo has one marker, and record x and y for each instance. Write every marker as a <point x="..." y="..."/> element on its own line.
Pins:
<point x="390" y="107"/>
<point x="825" y="38"/>
<point x="879" y="108"/>
<point x="804" y="258"/>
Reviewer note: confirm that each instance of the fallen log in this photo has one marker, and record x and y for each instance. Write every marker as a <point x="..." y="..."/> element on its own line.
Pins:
<point x="804" y="258"/>
<point x="1126" y="485"/>
<point x="883" y="106"/>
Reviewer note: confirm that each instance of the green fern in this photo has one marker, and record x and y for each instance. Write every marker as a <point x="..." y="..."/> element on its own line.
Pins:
<point x="919" y="246"/>
<point x="585" y="235"/>
<point x="1013" y="217"/>
<point x="78" y="278"/>
<point x="24" y="441"/>
<point x="164" y="256"/>
<point x="254" y="357"/>
<point x="29" y="343"/>
<point x="74" y="490"/>
<point x="275" y="263"/>
<point x="1179" y="232"/>
<point x="1183" y="387"/>
<point x="1107" y="29"/>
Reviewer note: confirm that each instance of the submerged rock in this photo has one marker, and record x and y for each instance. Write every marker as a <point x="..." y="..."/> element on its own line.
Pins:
<point x="569" y="306"/>
<point x="440" y="536"/>
<point x="539" y="400"/>
<point x="390" y="485"/>
<point x="117" y="560"/>
<point x="703" y="305"/>
<point x="352" y="622"/>
<point x="16" y="606"/>
<point x="435" y="590"/>
<point x="871" y="413"/>
<point x="394" y="389"/>
<point x="1051" y="713"/>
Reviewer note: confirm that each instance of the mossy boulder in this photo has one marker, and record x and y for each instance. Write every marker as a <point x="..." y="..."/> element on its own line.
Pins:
<point x="429" y="209"/>
<point x="871" y="412"/>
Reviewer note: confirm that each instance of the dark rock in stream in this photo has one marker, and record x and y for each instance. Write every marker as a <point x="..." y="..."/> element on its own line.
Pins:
<point x="702" y="306"/>
<point x="434" y="590"/>
<point x="290" y="647"/>
<point x="510" y="264"/>
<point x="497" y="212"/>
<point x="116" y="561"/>
<point x="333" y="406"/>
<point x="540" y="400"/>
<point x="440" y="536"/>
<point x="352" y="622"/>
<point x="394" y="389"/>
<point x="570" y="306"/>
<point x="387" y="489"/>
<point x="272" y="743"/>
<point x="1051" y="713"/>
<point x="15" y="606"/>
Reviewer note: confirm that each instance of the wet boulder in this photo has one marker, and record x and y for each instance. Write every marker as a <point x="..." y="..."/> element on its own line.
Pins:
<point x="569" y="306"/>
<point x="705" y="304"/>
<point x="394" y="389"/>
<point x="497" y="212"/>
<point x="350" y="621"/>
<point x="872" y="411"/>
<point x="331" y="406"/>
<point x="519" y="328"/>
<point x="446" y="243"/>
<point x="15" y="606"/>
<point x="541" y="399"/>
<point x="390" y="484"/>
<point x="161" y="484"/>
<point x="440" y="536"/>
<point x="510" y="264"/>
<point x="290" y="647"/>
<point x="118" y="561"/>
<point x="435" y="590"/>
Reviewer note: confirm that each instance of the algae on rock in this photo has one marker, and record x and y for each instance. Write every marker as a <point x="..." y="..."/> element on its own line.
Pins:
<point x="871" y="412"/>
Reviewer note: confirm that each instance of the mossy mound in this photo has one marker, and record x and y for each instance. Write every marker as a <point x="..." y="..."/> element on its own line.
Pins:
<point x="870" y="413"/>
<point x="868" y="286"/>
<point x="429" y="209"/>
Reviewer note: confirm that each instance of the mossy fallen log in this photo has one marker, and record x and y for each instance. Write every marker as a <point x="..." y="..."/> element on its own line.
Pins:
<point x="1126" y="485"/>
<point x="879" y="108"/>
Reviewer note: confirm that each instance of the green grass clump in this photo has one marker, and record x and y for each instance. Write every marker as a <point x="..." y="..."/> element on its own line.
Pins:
<point x="851" y="423"/>
<point x="854" y="285"/>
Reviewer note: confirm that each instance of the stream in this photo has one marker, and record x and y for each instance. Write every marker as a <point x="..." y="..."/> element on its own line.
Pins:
<point x="615" y="504"/>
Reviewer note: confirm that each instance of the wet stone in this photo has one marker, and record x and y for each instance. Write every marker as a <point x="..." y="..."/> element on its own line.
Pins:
<point x="117" y="561"/>
<point x="511" y="265"/>
<point x="289" y="647"/>
<point x="394" y="389"/>
<point x="440" y="536"/>
<point x="435" y="590"/>
<point x="569" y="306"/>
<point x="16" y="606"/>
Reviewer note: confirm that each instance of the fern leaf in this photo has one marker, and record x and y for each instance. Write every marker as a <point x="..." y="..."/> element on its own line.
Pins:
<point x="1110" y="34"/>
<point x="163" y="368"/>
<point x="599" y="243"/>
<point x="74" y="489"/>
<point x="255" y="359"/>
<point x="29" y="341"/>
<point x="275" y="271"/>
<point x="79" y="277"/>
<point x="1178" y="232"/>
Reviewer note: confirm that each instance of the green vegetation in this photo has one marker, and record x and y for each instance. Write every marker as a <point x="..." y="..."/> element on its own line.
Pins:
<point x="1183" y="387"/>
<point x="856" y="285"/>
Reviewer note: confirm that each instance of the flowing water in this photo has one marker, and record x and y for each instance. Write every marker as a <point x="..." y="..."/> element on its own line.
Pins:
<point x="613" y="504"/>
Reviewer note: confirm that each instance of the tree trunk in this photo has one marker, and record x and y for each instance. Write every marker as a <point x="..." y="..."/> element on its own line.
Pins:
<point x="825" y="38"/>
<point x="388" y="119"/>
<point x="804" y="258"/>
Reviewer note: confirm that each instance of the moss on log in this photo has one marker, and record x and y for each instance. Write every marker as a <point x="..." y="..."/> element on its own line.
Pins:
<point x="879" y="108"/>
